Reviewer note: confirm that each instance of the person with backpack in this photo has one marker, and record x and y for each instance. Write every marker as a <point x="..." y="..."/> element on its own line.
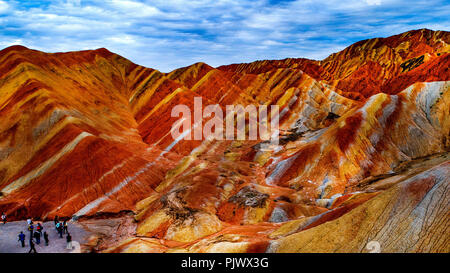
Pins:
<point x="37" y="236"/>
<point x="32" y="248"/>
<point x="4" y="218"/>
<point x="69" y="241"/>
<point x="60" y="230"/>
<point x="46" y="238"/>
<point x="39" y="228"/>
<point x="31" y="229"/>
<point x="22" y="239"/>
<point x="57" y="226"/>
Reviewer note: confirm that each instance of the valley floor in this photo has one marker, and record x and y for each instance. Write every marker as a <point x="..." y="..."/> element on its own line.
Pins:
<point x="9" y="238"/>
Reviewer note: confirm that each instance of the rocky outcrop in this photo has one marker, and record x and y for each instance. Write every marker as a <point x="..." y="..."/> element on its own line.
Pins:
<point x="411" y="216"/>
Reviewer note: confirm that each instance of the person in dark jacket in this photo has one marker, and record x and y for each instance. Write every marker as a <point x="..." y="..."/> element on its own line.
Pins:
<point x="46" y="238"/>
<point x="65" y="227"/>
<point x="39" y="228"/>
<point x="69" y="241"/>
<point x="37" y="236"/>
<point x="22" y="239"/>
<point x="60" y="230"/>
<point x="32" y="246"/>
<point x="56" y="219"/>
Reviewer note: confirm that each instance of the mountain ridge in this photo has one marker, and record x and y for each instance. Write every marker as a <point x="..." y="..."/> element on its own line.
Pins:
<point x="87" y="133"/>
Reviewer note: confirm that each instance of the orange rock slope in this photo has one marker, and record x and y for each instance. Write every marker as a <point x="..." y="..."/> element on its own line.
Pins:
<point x="364" y="133"/>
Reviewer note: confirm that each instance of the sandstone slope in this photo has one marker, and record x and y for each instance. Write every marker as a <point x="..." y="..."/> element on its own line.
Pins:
<point x="364" y="133"/>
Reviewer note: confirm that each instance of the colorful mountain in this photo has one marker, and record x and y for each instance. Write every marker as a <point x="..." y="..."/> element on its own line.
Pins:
<point x="363" y="153"/>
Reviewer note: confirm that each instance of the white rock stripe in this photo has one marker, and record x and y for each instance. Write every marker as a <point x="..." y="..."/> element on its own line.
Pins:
<point x="42" y="168"/>
<point x="86" y="209"/>
<point x="175" y="125"/>
<point x="114" y="169"/>
<point x="280" y="169"/>
<point x="181" y="136"/>
<point x="120" y="165"/>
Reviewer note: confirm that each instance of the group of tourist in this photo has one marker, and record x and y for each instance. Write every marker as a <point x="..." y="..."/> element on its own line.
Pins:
<point x="62" y="228"/>
<point x="36" y="232"/>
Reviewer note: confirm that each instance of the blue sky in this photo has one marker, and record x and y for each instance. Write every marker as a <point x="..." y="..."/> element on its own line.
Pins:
<point x="167" y="34"/>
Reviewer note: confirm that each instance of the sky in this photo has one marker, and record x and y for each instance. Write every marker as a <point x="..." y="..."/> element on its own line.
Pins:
<point x="168" y="34"/>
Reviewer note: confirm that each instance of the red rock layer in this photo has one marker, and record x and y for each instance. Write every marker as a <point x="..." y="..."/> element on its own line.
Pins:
<point x="88" y="132"/>
<point x="372" y="66"/>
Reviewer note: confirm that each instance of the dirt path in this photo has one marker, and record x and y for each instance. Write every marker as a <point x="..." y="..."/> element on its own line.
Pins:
<point x="9" y="238"/>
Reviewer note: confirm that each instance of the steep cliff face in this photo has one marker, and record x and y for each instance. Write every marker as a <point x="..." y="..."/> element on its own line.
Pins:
<point x="363" y="133"/>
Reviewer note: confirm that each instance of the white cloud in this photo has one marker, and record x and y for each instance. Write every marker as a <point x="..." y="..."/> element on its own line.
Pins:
<point x="124" y="39"/>
<point x="12" y="42"/>
<point x="3" y="7"/>
<point x="135" y="8"/>
<point x="373" y="2"/>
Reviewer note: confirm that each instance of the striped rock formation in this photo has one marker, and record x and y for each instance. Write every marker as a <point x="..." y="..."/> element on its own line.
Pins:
<point x="363" y="153"/>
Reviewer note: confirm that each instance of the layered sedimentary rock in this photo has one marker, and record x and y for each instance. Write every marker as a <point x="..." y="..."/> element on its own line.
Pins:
<point x="372" y="66"/>
<point x="69" y="141"/>
<point x="364" y="133"/>
<point x="420" y="223"/>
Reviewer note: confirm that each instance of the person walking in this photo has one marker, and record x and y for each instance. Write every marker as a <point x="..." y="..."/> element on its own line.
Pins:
<point x="60" y="230"/>
<point x="39" y="228"/>
<point x="46" y="238"/>
<point x="57" y="226"/>
<point x="56" y="219"/>
<point x="65" y="227"/>
<point x="32" y="248"/>
<point x="29" y="222"/>
<point x="37" y="236"/>
<point x="69" y="241"/>
<point x="4" y="218"/>
<point x="31" y="229"/>
<point x="22" y="239"/>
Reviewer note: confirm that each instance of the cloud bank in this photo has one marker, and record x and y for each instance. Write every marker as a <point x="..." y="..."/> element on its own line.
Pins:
<point x="167" y="34"/>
